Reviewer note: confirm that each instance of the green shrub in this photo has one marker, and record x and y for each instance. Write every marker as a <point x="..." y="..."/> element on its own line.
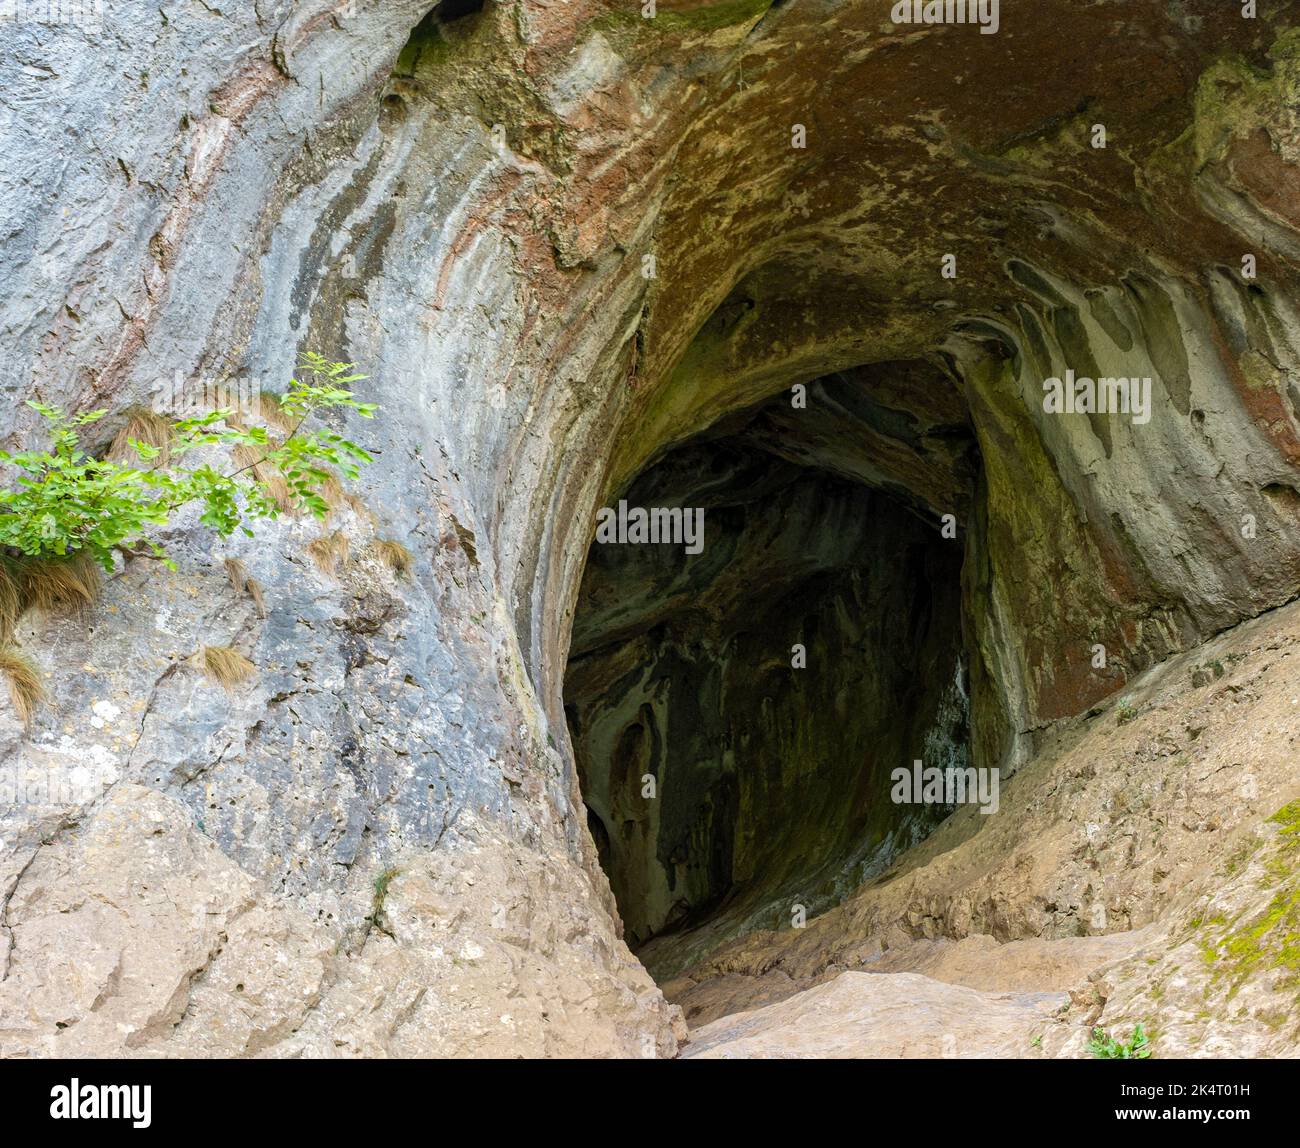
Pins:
<point x="67" y="503"/>
<point x="1105" y="1047"/>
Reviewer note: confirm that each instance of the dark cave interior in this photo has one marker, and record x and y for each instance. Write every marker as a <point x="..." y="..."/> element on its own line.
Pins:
<point x="736" y="714"/>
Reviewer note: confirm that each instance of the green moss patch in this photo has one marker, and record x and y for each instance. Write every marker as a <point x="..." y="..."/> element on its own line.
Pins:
<point x="698" y="21"/>
<point x="1269" y="940"/>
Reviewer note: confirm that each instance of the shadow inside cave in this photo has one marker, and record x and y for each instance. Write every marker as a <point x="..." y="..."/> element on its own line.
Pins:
<point x="736" y="714"/>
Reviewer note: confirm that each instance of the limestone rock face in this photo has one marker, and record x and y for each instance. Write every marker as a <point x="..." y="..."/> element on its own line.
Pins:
<point x="562" y="240"/>
<point x="120" y="932"/>
<point x="134" y="932"/>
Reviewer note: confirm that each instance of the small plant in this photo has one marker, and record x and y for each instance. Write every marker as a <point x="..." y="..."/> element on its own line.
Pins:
<point x="68" y="503"/>
<point x="225" y="666"/>
<point x="394" y="555"/>
<point x="69" y="513"/>
<point x="381" y="886"/>
<point x="330" y="552"/>
<point x="1105" y="1047"/>
<point x="26" y="689"/>
<point x="1126" y="711"/>
<point x="375" y="917"/>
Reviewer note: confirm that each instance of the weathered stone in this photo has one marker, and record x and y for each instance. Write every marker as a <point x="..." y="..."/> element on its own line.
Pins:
<point x="861" y="1016"/>
<point x="464" y="207"/>
<point x="1144" y="865"/>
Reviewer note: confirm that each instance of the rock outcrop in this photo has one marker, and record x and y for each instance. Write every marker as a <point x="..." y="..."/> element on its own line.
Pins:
<point x="564" y="240"/>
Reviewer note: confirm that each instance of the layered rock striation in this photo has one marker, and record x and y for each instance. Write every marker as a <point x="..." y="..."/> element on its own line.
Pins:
<point x="564" y="240"/>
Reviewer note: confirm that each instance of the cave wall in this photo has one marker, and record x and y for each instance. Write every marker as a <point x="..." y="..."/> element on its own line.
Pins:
<point x="209" y="190"/>
<point x="377" y="840"/>
<point x="1088" y="534"/>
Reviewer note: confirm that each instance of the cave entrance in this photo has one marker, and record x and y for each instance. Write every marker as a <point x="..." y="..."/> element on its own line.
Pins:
<point x="736" y="713"/>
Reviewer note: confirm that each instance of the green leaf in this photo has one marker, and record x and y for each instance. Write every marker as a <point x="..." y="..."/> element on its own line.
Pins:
<point x="62" y="500"/>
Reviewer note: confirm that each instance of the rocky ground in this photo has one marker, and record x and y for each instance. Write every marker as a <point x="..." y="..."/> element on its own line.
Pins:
<point x="1142" y="870"/>
<point x="133" y="932"/>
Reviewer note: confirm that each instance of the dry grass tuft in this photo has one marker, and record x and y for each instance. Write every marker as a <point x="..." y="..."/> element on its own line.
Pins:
<point x="254" y="588"/>
<point x="51" y="585"/>
<point x="245" y="457"/>
<point x="58" y="585"/>
<point x="331" y="490"/>
<point x="11" y="600"/>
<point x="26" y="687"/>
<point x="279" y="493"/>
<point x="237" y="574"/>
<point x="331" y="552"/>
<point x="250" y="458"/>
<point x="144" y="426"/>
<point x="359" y="507"/>
<point x="394" y="555"/>
<point x="243" y="584"/>
<point x="273" y="414"/>
<point x="225" y="666"/>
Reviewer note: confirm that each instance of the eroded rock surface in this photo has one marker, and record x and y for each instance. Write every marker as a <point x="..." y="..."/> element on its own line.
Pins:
<point x="1143" y="864"/>
<point x="464" y="203"/>
<point x="134" y="933"/>
<point x="860" y="1016"/>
